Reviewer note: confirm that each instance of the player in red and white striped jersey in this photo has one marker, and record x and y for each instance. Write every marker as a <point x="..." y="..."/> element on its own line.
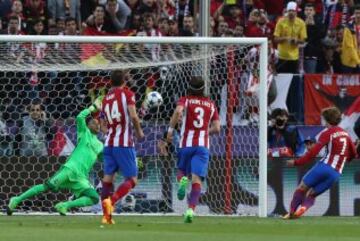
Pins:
<point x="200" y="111"/>
<point x="200" y="118"/>
<point x="339" y="150"/>
<point x="118" y="109"/>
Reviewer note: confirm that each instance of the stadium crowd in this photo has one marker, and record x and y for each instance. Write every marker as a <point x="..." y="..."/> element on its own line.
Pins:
<point x="331" y="27"/>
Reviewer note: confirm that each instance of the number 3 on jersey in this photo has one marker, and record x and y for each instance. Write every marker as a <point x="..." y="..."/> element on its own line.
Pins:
<point x="112" y="114"/>
<point x="200" y="117"/>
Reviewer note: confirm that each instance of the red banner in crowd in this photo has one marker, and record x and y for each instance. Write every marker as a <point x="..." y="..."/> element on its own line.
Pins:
<point x="322" y="91"/>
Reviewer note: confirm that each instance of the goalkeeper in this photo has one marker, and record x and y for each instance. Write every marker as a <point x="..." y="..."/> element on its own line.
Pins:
<point x="73" y="175"/>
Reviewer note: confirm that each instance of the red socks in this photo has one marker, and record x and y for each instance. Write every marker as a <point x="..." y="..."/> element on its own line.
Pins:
<point x="194" y="195"/>
<point x="107" y="190"/>
<point x="122" y="190"/>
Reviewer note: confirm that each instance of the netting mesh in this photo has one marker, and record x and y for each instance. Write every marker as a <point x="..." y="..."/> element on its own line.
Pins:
<point x="66" y="77"/>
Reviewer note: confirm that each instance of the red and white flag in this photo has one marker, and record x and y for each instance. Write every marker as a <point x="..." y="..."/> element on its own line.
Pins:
<point x="61" y="145"/>
<point x="350" y="117"/>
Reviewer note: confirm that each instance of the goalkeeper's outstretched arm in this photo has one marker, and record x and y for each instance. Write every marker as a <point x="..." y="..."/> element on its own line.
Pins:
<point x="81" y="117"/>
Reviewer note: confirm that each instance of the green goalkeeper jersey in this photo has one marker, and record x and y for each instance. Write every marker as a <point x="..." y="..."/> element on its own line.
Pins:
<point x="88" y="148"/>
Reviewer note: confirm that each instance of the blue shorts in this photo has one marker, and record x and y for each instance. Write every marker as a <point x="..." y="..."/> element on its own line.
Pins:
<point x="193" y="160"/>
<point x="321" y="177"/>
<point x="121" y="159"/>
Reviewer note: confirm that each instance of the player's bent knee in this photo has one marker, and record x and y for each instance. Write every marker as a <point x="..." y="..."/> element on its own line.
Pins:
<point x="134" y="181"/>
<point x="196" y="179"/>
<point x="311" y="192"/>
<point x="50" y="186"/>
<point x="92" y="194"/>
<point x="108" y="178"/>
<point x="303" y="186"/>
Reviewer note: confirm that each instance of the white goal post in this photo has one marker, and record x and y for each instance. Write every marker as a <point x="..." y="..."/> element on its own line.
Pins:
<point x="192" y="57"/>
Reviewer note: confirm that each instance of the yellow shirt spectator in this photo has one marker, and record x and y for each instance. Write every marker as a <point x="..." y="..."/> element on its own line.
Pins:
<point x="350" y="56"/>
<point x="295" y="29"/>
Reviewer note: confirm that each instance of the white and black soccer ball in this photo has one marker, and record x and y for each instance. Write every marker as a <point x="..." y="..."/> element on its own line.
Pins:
<point x="128" y="203"/>
<point x="153" y="99"/>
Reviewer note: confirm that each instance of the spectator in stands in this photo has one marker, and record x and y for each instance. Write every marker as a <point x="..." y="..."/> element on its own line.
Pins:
<point x="318" y="8"/>
<point x="38" y="27"/>
<point x="274" y="8"/>
<point x="338" y="13"/>
<point x="13" y="51"/>
<point x="349" y="52"/>
<point x="148" y="6"/>
<point x="183" y="8"/>
<point x="62" y="9"/>
<point x="36" y="52"/>
<point x="136" y="22"/>
<point x="34" y="131"/>
<point x="133" y="4"/>
<point x="239" y="31"/>
<point x="325" y="63"/>
<point x="70" y="27"/>
<point x="86" y="9"/>
<point x="233" y="16"/>
<point x="283" y="140"/>
<point x="17" y="11"/>
<point x="173" y="27"/>
<point x="164" y="26"/>
<point x="188" y="27"/>
<point x="166" y="8"/>
<point x="60" y="25"/>
<point x="118" y="13"/>
<point x="96" y="22"/>
<point x="315" y="33"/>
<point x="69" y="51"/>
<point x="5" y="8"/>
<point x="222" y="28"/>
<point x="290" y="32"/>
<point x="6" y="140"/>
<point x="35" y="9"/>
<point x="351" y="43"/>
<point x="338" y="38"/>
<point x="150" y="31"/>
<point x="260" y="25"/>
<point x="109" y="22"/>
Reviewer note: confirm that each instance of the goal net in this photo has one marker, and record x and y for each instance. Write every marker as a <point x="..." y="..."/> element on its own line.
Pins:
<point x="45" y="82"/>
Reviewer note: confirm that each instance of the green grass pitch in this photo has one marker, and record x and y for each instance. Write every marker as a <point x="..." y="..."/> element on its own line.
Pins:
<point x="165" y="228"/>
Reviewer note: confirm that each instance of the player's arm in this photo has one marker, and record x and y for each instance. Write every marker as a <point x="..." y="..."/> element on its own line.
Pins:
<point x="312" y="153"/>
<point x="100" y="157"/>
<point x="353" y="150"/>
<point x="81" y="117"/>
<point x="358" y="148"/>
<point x="136" y="122"/>
<point x="215" y="127"/>
<point x="215" y="122"/>
<point x="173" y="121"/>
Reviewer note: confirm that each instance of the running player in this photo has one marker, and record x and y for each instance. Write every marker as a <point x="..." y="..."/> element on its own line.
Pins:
<point x="119" y="110"/>
<point x="199" y="120"/>
<point x="339" y="150"/>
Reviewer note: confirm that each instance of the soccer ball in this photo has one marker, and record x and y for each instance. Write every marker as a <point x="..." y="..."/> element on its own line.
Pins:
<point x="153" y="99"/>
<point x="128" y="203"/>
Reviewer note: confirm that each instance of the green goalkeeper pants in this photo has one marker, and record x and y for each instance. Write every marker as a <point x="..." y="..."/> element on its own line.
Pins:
<point x="65" y="178"/>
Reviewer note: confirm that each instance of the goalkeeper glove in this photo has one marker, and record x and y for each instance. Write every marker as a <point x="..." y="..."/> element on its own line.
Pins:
<point x="140" y="164"/>
<point x="97" y="103"/>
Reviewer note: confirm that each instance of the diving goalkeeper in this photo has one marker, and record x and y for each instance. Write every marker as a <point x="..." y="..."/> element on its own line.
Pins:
<point x="73" y="175"/>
